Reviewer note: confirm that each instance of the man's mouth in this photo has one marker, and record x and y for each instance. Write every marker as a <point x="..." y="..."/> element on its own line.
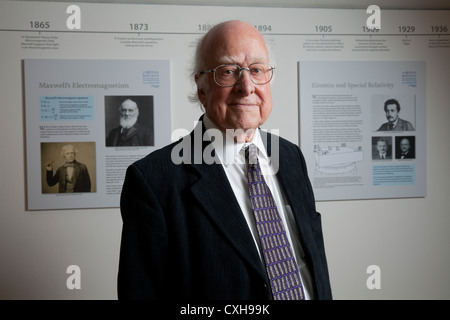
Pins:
<point x="243" y="104"/>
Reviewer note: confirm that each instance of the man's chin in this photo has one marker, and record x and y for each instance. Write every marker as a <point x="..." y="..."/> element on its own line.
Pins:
<point x="127" y="124"/>
<point x="241" y="135"/>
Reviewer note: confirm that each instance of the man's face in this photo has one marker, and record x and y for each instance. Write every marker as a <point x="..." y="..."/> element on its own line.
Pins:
<point x="244" y="105"/>
<point x="381" y="147"/>
<point x="404" y="145"/>
<point x="128" y="114"/>
<point x="69" y="155"/>
<point x="391" y="112"/>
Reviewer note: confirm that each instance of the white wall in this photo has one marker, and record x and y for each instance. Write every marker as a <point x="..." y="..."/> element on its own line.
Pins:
<point x="407" y="238"/>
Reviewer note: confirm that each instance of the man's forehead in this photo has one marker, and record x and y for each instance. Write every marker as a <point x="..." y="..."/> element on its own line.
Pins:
<point x="129" y="105"/>
<point x="235" y="43"/>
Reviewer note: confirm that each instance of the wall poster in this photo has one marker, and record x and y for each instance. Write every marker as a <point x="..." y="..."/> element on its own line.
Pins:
<point x="363" y="128"/>
<point x="86" y="122"/>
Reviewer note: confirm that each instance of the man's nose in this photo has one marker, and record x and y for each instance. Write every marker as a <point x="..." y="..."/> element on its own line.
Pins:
<point x="245" y="85"/>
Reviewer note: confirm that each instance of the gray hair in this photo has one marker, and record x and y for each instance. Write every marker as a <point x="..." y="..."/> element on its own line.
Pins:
<point x="198" y="65"/>
<point x="66" y="147"/>
<point x="129" y="101"/>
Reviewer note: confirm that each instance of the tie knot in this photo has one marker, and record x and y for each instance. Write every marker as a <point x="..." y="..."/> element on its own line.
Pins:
<point x="125" y="132"/>
<point x="250" y="154"/>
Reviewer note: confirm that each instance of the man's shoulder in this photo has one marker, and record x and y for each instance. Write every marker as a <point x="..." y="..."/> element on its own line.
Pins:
<point x="159" y="156"/>
<point x="115" y="130"/>
<point x="79" y="164"/>
<point x="141" y="127"/>
<point x="162" y="152"/>
<point x="405" y="122"/>
<point x="276" y="139"/>
<point x="383" y="127"/>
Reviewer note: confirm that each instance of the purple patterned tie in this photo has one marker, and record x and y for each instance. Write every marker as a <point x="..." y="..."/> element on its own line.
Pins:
<point x="280" y="263"/>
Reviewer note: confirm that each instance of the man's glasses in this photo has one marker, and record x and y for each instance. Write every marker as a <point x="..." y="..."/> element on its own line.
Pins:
<point x="227" y="75"/>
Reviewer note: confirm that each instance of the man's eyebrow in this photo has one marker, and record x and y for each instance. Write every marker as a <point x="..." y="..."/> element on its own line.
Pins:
<point x="236" y="60"/>
<point x="227" y="59"/>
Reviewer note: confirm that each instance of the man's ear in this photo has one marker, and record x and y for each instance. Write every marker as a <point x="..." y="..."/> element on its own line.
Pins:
<point x="200" y="91"/>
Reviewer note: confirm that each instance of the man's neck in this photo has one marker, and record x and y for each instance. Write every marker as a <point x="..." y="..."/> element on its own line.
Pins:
<point x="229" y="145"/>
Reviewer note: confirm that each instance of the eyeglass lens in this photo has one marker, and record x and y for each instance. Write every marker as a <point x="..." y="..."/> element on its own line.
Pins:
<point x="228" y="75"/>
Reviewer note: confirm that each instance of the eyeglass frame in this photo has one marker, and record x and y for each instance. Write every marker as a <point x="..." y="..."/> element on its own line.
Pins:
<point x="240" y="73"/>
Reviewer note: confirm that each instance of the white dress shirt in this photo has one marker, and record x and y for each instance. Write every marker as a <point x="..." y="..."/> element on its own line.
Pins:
<point x="231" y="155"/>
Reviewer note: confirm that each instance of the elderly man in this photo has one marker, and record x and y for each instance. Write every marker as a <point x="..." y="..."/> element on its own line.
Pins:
<point x="405" y="148"/>
<point x="73" y="176"/>
<point x="221" y="230"/>
<point x="129" y="132"/>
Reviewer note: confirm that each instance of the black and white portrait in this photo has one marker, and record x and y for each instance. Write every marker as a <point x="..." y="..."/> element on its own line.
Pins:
<point x="405" y="147"/>
<point x="381" y="148"/>
<point x="129" y="121"/>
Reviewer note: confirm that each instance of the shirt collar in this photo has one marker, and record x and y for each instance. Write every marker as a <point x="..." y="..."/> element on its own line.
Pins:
<point x="395" y="122"/>
<point x="227" y="149"/>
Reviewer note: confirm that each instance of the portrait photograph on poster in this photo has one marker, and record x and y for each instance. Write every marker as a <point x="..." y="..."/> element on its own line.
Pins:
<point x="129" y="121"/>
<point x="68" y="167"/>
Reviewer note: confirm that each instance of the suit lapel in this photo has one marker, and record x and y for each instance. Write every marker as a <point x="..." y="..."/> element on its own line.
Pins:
<point x="214" y="193"/>
<point x="131" y="133"/>
<point x="290" y="177"/>
<point x="76" y="173"/>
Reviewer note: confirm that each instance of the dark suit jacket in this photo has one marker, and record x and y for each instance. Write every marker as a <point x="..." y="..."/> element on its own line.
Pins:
<point x="81" y="178"/>
<point x="409" y="155"/>
<point x="185" y="237"/>
<point x="376" y="156"/>
<point x="402" y="125"/>
<point x="137" y="136"/>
